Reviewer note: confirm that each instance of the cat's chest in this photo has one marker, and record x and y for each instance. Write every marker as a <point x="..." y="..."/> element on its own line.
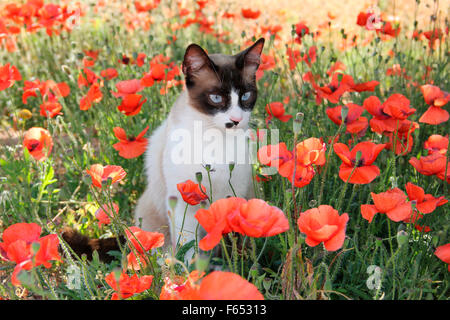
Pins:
<point x="221" y="159"/>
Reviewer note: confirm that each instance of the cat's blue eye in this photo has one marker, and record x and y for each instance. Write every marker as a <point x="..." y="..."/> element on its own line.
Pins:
<point x="215" y="98"/>
<point x="246" y="96"/>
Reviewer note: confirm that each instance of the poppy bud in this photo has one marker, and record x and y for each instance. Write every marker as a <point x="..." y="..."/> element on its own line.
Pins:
<point x="402" y="238"/>
<point x="173" y="202"/>
<point x="297" y="124"/>
<point x="65" y="69"/>
<point x="199" y="177"/>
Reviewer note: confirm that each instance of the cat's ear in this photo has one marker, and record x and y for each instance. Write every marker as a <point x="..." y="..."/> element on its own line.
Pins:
<point x="195" y="60"/>
<point x="248" y="60"/>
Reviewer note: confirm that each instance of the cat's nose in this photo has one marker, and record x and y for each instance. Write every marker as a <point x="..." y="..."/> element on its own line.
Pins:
<point x="236" y="120"/>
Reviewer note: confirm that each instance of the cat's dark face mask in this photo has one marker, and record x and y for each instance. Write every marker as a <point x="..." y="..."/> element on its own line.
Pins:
<point x="223" y="86"/>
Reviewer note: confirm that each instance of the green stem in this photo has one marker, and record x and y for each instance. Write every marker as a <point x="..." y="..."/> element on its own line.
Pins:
<point x="182" y="223"/>
<point x="227" y="256"/>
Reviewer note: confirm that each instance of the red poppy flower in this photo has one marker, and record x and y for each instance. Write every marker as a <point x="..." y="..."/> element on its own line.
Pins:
<point x="100" y="174"/>
<point x="191" y="193"/>
<point x="27" y="232"/>
<point x="303" y="174"/>
<point x="362" y="18"/>
<point x="157" y="72"/>
<point x="443" y="253"/>
<point x="398" y="107"/>
<point x="60" y="89"/>
<point x="180" y="288"/>
<point x="50" y="109"/>
<point x="403" y="137"/>
<point x="49" y="90"/>
<point x="250" y="14"/>
<point x="131" y="147"/>
<point x="146" y="6"/>
<point x="393" y="203"/>
<point x="311" y="56"/>
<point x="104" y="216"/>
<point x="218" y="285"/>
<point x="311" y="151"/>
<point x="127" y="286"/>
<point x="294" y="57"/>
<point x="436" y="99"/>
<point x="271" y="30"/>
<point x="140" y="59"/>
<point x="17" y="247"/>
<point x="94" y="95"/>
<point x="92" y="53"/>
<point x="441" y="174"/>
<point x="38" y="142"/>
<point x="436" y="143"/>
<point x="274" y="155"/>
<point x="425" y="203"/>
<point x="228" y="15"/>
<point x="142" y="241"/>
<point x="127" y="87"/>
<point x="267" y="63"/>
<point x="434" y="37"/>
<point x="88" y="62"/>
<point x="323" y="224"/>
<point x="87" y="81"/>
<point x="30" y="89"/>
<point x="276" y="109"/>
<point x="48" y="251"/>
<point x="340" y="83"/>
<point x="109" y="73"/>
<point x="381" y="121"/>
<point x="8" y="76"/>
<point x="398" y="71"/>
<point x="388" y="29"/>
<point x="337" y="66"/>
<point x="365" y="86"/>
<point x="354" y="122"/>
<point x="364" y="171"/>
<point x="301" y="29"/>
<point x="131" y="104"/>
<point x="422" y="228"/>
<point x="280" y="157"/>
<point x="258" y="219"/>
<point x="262" y="178"/>
<point x="432" y="164"/>
<point x="214" y="220"/>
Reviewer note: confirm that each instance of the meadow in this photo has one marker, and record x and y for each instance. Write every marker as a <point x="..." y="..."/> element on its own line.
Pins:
<point x="359" y="190"/>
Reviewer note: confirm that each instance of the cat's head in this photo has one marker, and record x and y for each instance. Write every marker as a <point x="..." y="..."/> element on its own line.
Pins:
<point x="223" y="87"/>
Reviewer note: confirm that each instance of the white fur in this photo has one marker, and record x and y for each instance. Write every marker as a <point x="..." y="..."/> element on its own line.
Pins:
<point x="164" y="170"/>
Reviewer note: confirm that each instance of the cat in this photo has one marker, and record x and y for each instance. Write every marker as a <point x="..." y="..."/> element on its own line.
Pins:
<point x="218" y="98"/>
<point x="220" y="93"/>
